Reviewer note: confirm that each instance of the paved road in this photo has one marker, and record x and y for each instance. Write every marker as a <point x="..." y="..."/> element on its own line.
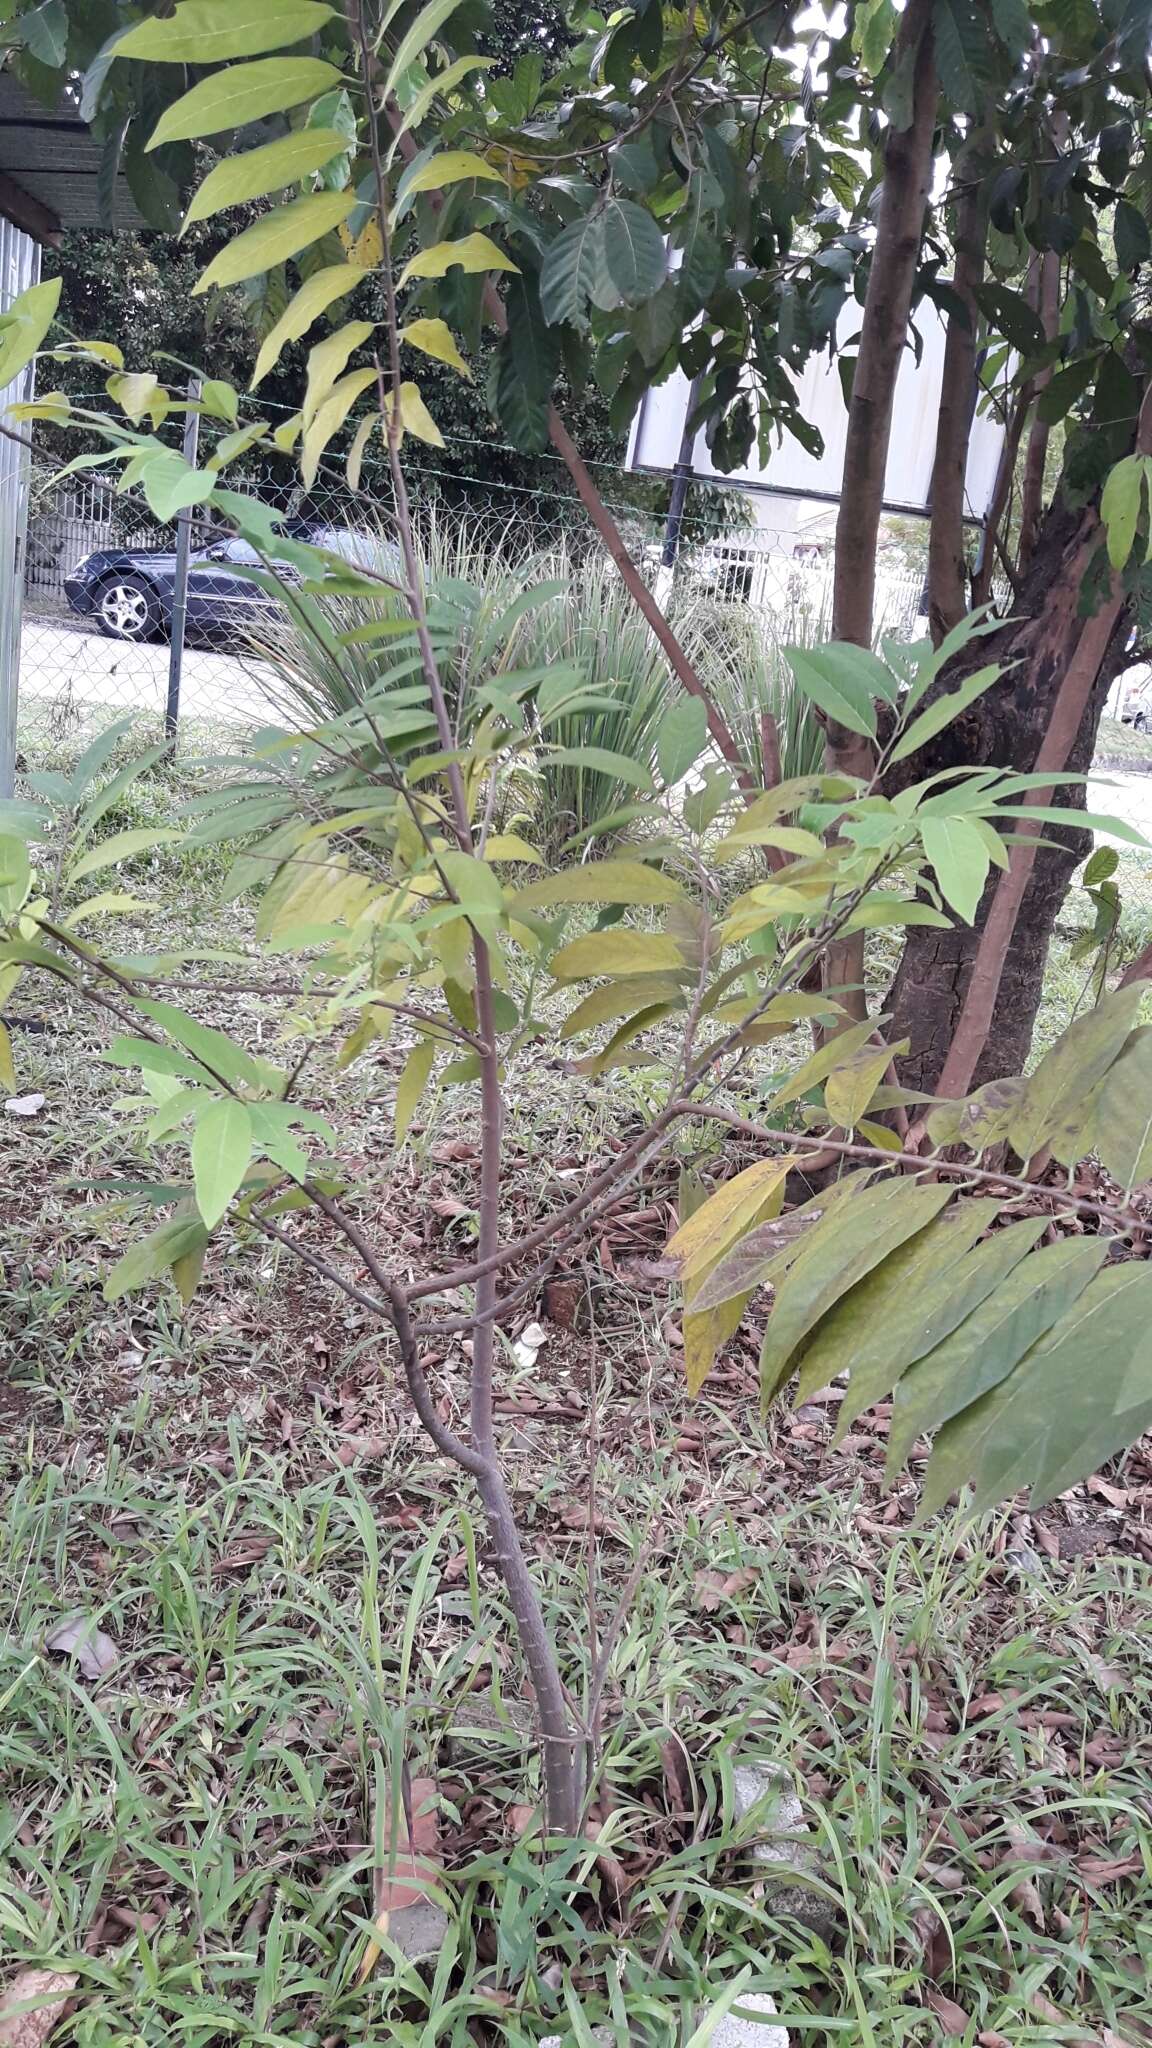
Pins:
<point x="69" y="673"/>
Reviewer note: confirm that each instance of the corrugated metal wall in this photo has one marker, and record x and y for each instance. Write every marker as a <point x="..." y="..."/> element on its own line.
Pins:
<point x="19" y="267"/>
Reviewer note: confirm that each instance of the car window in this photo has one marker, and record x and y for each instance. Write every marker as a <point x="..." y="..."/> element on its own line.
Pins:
<point x="241" y="551"/>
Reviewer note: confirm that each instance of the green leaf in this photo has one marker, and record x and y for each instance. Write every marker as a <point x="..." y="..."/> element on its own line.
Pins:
<point x="816" y="1068"/>
<point x="964" y="54"/>
<point x="269" y="169"/>
<point x="24" y="325"/>
<point x="681" y="738"/>
<point x="603" y="761"/>
<point x="415" y="41"/>
<point x="604" y="881"/>
<point x="221" y="1154"/>
<point x="1031" y="1297"/>
<point x="205" y="32"/>
<point x="313" y="298"/>
<point x="123" y="846"/>
<point x="1051" y="1111"/>
<point x="609" y="953"/>
<point x="618" y="998"/>
<point x="275" y="237"/>
<point x="1120" y="507"/>
<point x="214" y="1049"/>
<point x="850" y="1088"/>
<point x="473" y="253"/>
<point x="572" y="270"/>
<point x="156" y="1254"/>
<point x="770" y="1250"/>
<point x="1060" y="394"/>
<point x="477" y="888"/>
<point x="439" y="85"/>
<point x="633" y="251"/>
<point x="411" y="1085"/>
<point x="1070" y="1404"/>
<point x="1122" y="1122"/>
<point x="944" y="710"/>
<point x="842" y="681"/>
<point x="243" y="93"/>
<point x="44" y="30"/>
<point x="331" y="418"/>
<point x="960" y="860"/>
<point x="15" y="875"/>
<point x="833" y="1259"/>
<point x="902" y="1310"/>
<point x="170" y="484"/>
<point x="1132" y="236"/>
<point x="446" y="167"/>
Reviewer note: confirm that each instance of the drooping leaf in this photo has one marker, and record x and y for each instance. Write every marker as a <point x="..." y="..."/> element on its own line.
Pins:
<point x="243" y="93"/>
<point x="446" y="167"/>
<point x="681" y="738"/>
<point x="1120" y="507"/>
<point x="275" y="237"/>
<point x="412" y="1083"/>
<point x="901" y="1310"/>
<point x="732" y="1210"/>
<point x="331" y="418"/>
<point x="214" y="31"/>
<point x="435" y="338"/>
<point x="221" y="1154"/>
<point x="1071" y="1403"/>
<point x="1032" y="1296"/>
<point x="259" y="171"/>
<point x="123" y="846"/>
<point x="313" y="298"/>
<point x="1121" y="1125"/>
<point x="842" y="681"/>
<point x="618" y="997"/>
<point x="24" y="325"/>
<point x="327" y="359"/>
<point x="155" y="1254"/>
<point x="633" y="251"/>
<point x="837" y="1052"/>
<point x="573" y="270"/>
<point x="415" y="41"/>
<point x="960" y="860"/>
<point x="1051" y="1109"/>
<point x="833" y="1259"/>
<point x="605" y="881"/>
<point x="415" y="417"/>
<point x="849" y="1088"/>
<point x="15" y="875"/>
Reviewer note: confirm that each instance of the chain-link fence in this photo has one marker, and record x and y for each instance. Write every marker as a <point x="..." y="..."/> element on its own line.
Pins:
<point x="100" y="574"/>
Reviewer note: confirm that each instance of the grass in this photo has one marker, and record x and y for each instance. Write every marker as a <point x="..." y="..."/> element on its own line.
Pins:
<point x="303" y="1604"/>
<point x="1120" y="746"/>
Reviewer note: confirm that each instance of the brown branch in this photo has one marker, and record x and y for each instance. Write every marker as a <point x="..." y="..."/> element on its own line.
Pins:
<point x="947" y="572"/>
<point x="979" y="1176"/>
<point x="1032" y="488"/>
<point x="1072" y="698"/>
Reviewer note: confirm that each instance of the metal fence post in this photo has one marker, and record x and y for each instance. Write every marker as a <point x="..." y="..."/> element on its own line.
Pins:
<point x="180" y="585"/>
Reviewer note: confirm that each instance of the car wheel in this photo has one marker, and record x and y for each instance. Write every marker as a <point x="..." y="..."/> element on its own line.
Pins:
<point x="1140" y="722"/>
<point x="127" y="609"/>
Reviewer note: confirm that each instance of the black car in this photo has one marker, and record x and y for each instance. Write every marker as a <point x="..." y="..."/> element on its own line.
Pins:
<point x="129" y="591"/>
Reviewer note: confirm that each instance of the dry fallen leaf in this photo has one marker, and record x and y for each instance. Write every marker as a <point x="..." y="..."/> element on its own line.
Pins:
<point x="990" y="2039"/>
<point x="1106" y="1869"/>
<point x="50" y="1989"/>
<point x="78" y="1636"/>
<point x="412" y="1872"/>
<point x="951" y="2016"/>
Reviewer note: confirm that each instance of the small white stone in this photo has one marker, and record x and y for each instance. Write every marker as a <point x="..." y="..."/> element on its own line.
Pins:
<point x="25" y="1105"/>
<point x="736" y="2031"/>
<point x="788" y="1855"/>
<point x="418" y="1929"/>
<point x="529" y="1342"/>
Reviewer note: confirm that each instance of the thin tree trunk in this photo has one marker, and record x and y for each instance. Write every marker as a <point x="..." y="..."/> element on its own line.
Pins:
<point x="1032" y="489"/>
<point x="883" y="334"/>
<point x="947" y="568"/>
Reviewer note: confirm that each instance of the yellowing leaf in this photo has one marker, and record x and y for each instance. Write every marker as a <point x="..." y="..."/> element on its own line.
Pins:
<point x="328" y="358"/>
<point x="726" y="1215"/>
<point x="603" y="881"/>
<point x="616" y="952"/>
<point x="849" y="1090"/>
<point x="7" y="1069"/>
<point x="365" y="250"/>
<point x="448" y="168"/>
<point x="275" y="237"/>
<point x="310" y="301"/>
<point x="435" y="338"/>
<point x="411" y="1085"/>
<point x="24" y="325"/>
<point x="705" y="1331"/>
<point x="258" y="171"/>
<point x="359" y="443"/>
<point x="415" y="417"/>
<point x="510" y="846"/>
<point x="330" y="419"/>
<point x="473" y="252"/>
<point x="243" y="93"/>
<point x="837" y="1053"/>
<point x="438" y="86"/>
<point x="213" y="31"/>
